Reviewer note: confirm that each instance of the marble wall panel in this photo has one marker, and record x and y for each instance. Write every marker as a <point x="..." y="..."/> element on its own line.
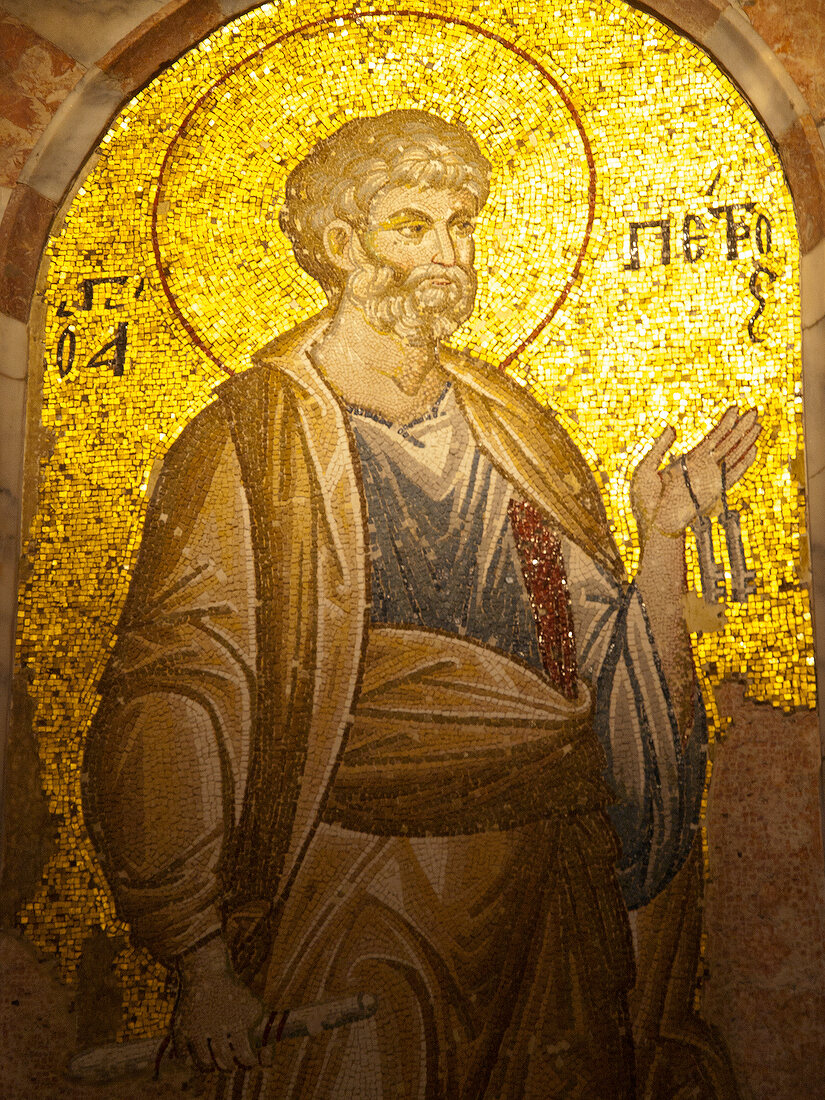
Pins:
<point x="84" y="29"/>
<point x="35" y="77"/>
<point x="83" y="117"/>
<point x="735" y="45"/>
<point x="795" y="31"/>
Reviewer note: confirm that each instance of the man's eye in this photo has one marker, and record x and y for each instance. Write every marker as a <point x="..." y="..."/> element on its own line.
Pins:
<point x="465" y="228"/>
<point x="412" y="230"/>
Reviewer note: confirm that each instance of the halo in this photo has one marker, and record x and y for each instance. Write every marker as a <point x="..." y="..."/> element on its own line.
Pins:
<point x="227" y="271"/>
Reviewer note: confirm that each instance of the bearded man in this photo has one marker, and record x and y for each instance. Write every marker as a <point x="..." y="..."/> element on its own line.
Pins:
<point x="379" y="680"/>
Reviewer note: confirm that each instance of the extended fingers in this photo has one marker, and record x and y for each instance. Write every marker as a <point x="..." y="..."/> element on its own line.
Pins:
<point x="741" y="454"/>
<point x="218" y="1053"/>
<point x="243" y="1051"/>
<point x="661" y="445"/>
<point x="652" y="459"/>
<point x="739" y="441"/>
<point x="738" y="438"/>
<point x="723" y="427"/>
<point x="735" y="432"/>
<point x="741" y="464"/>
<point x="200" y="1054"/>
<point x="231" y="1050"/>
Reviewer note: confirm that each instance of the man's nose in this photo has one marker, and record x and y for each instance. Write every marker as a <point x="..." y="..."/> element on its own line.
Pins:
<point x="444" y="252"/>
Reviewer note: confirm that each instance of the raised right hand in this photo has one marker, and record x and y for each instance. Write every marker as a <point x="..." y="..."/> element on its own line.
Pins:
<point x="216" y="1014"/>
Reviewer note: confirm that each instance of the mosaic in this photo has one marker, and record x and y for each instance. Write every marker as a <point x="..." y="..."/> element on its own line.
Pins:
<point x="400" y="508"/>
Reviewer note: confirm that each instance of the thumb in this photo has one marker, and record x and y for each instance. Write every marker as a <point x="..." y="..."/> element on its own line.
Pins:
<point x="651" y="461"/>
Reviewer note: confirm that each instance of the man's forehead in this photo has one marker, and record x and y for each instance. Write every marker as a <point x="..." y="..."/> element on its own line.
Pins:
<point x="436" y="202"/>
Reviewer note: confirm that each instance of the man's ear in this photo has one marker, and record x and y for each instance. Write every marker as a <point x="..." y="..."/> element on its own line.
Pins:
<point x="338" y="239"/>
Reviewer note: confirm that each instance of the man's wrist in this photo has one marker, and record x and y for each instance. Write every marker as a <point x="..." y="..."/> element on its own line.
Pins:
<point x="210" y="957"/>
<point x="663" y="544"/>
<point x="662" y="571"/>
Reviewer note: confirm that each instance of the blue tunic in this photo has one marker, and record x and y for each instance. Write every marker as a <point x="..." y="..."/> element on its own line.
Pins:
<point x="443" y="555"/>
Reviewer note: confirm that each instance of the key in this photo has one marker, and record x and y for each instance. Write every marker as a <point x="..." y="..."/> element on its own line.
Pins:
<point x="710" y="571"/>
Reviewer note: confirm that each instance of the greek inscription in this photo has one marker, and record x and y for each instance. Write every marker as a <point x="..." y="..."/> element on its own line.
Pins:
<point x="97" y="294"/>
<point x="763" y="234"/>
<point x="65" y="352"/>
<point x="739" y="226"/>
<point x="89" y="286"/>
<point x="736" y="229"/>
<point x="113" y="354"/>
<point x="694" y="238"/>
<point x="759" y="296"/>
<point x="662" y="226"/>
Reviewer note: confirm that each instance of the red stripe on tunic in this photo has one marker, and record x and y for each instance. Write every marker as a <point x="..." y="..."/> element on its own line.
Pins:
<point x="542" y="566"/>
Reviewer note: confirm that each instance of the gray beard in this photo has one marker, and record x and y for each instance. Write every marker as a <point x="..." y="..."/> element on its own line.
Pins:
<point x="414" y="310"/>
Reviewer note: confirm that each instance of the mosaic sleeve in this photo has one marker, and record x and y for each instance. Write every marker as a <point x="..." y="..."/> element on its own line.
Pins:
<point x="657" y="782"/>
<point x="166" y="757"/>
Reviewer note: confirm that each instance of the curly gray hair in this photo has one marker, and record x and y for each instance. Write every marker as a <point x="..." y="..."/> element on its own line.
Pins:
<point x="343" y="173"/>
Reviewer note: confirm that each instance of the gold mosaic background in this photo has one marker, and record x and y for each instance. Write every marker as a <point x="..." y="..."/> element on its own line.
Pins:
<point x="626" y="352"/>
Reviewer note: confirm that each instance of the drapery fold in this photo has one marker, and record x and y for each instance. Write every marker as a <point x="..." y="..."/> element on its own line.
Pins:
<point x="451" y="737"/>
<point x="228" y="699"/>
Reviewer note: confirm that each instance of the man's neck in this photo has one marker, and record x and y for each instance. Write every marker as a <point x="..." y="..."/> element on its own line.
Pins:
<point x="376" y="370"/>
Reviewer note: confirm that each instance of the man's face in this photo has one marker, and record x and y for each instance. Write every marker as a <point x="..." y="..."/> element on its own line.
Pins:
<point x="418" y="279"/>
<point x="415" y="227"/>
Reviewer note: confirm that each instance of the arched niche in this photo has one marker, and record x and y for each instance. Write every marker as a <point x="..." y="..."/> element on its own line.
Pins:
<point x="60" y="163"/>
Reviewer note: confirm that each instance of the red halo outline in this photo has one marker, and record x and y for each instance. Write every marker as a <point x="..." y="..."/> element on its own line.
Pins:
<point x="355" y="17"/>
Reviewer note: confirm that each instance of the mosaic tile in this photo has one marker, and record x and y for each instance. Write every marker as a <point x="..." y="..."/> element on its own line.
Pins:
<point x="381" y="705"/>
